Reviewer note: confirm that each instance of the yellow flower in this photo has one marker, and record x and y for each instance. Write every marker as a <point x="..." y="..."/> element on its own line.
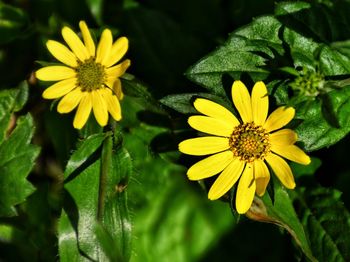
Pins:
<point x="239" y="149"/>
<point x="89" y="79"/>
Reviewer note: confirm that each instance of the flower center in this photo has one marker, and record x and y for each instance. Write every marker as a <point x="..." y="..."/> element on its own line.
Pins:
<point x="249" y="142"/>
<point x="91" y="75"/>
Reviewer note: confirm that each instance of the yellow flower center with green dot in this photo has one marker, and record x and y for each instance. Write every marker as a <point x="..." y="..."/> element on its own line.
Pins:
<point x="90" y="75"/>
<point x="249" y="142"/>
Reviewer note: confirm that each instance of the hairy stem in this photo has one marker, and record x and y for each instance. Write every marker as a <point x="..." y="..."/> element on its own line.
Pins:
<point x="106" y="159"/>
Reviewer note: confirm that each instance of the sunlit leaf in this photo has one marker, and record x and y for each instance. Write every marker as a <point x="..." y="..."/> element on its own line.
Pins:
<point x="95" y="202"/>
<point x="320" y="128"/>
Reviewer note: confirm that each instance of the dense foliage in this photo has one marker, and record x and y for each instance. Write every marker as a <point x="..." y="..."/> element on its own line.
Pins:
<point x="121" y="193"/>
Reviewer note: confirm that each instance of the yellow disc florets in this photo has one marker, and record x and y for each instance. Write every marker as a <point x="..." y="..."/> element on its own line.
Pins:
<point x="249" y="142"/>
<point x="90" y="75"/>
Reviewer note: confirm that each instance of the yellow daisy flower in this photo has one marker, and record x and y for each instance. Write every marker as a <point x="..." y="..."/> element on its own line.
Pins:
<point x="239" y="149"/>
<point x="89" y="79"/>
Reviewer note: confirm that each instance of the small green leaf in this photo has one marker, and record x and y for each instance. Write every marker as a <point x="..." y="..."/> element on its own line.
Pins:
<point x="329" y="130"/>
<point x="16" y="149"/>
<point x="21" y="96"/>
<point x="7" y="100"/>
<point x="327" y="222"/>
<point x="11" y="100"/>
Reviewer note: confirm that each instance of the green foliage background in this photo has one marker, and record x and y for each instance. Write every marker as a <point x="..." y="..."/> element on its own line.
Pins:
<point x="98" y="195"/>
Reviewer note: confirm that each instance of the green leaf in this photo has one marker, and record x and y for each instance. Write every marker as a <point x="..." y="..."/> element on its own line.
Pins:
<point x="11" y="100"/>
<point x="21" y="96"/>
<point x="281" y="212"/>
<point x="183" y="103"/>
<point x="16" y="149"/>
<point x="310" y="54"/>
<point x="327" y="222"/>
<point x="242" y="52"/>
<point x="95" y="198"/>
<point x="310" y="29"/>
<point x="302" y="49"/>
<point x="313" y="20"/>
<point x="333" y="62"/>
<point x="139" y="92"/>
<point x="286" y="8"/>
<point x="6" y="106"/>
<point x="332" y="125"/>
<point x="14" y="22"/>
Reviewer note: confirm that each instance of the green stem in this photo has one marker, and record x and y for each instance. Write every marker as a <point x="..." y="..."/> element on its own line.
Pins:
<point x="106" y="159"/>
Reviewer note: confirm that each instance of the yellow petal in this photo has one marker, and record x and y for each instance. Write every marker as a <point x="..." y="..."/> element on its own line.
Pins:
<point x="55" y="73"/>
<point x="262" y="177"/>
<point x="117" y="89"/>
<point x="118" y="70"/>
<point x="112" y="103"/>
<point x="215" y="110"/>
<point x="62" y="53"/>
<point x="279" y="118"/>
<point x="226" y="179"/>
<point x="60" y="88"/>
<point x="88" y="41"/>
<point x="281" y="170"/>
<point x="83" y="112"/>
<point x="118" y="50"/>
<point x="260" y="103"/>
<point x="211" y="125"/>
<point x="75" y="44"/>
<point x="69" y="101"/>
<point x="241" y="99"/>
<point x="99" y="107"/>
<point x="210" y="166"/>
<point x="245" y="190"/>
<point x="292" y="153"/>
<point x="104" y="47"/>
<point x="201" y="146"/>
<point x="283" y="137"/>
